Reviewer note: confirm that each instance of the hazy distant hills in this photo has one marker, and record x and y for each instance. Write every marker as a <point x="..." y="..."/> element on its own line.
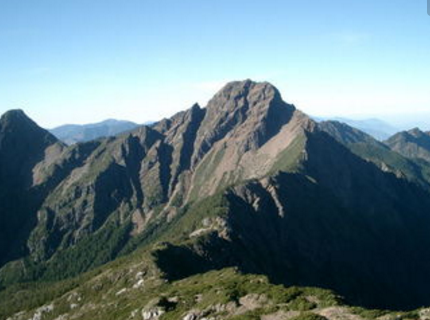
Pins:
<point x="377" y="128"/>
<point x="248" y="182"/>
<point x="72" y="133"/>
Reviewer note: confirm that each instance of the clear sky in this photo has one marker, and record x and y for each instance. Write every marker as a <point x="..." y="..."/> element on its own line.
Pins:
<point x="80" y="61"/>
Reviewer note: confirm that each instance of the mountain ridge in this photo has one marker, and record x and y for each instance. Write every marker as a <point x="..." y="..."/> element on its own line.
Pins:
<point x="375" y="127"/>
<point x="413" y="144"/>
<point x="249" y="173"/>
<point x="73" y="133"/>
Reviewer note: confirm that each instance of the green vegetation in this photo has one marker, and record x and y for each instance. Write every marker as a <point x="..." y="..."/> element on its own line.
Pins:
<point x="369" y="314"/>
<point x="31" y="295"/>
<point x="289" y="159"/>
<point x="418" y="172"/>
<point x="309" y="316"/>
<point x="376" y="314"/>
<point x="190" y="218"/>
<point x="92" y="251"/>
<point x="302" y="304"/>
<point x="109" y="293"/>
<point x="229" y="287"/>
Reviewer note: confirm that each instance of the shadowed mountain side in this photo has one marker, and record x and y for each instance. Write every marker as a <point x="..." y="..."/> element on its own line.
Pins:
<point x="22" y="145"/>
<point x="386" y="159"/>
<point x="298" y="233"/>
<point x="316" y="231"/>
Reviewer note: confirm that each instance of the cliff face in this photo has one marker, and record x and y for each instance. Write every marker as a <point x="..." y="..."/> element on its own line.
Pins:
<point x="249" y="181"/>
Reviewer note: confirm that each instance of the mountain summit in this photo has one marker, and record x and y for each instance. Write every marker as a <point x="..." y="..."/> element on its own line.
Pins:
<point x="23" y="144"/>
<point x="412" y="144"/>
<point x="248" y="112"/>
<point x="16" y="124"/>
<point x="248" y="182"/>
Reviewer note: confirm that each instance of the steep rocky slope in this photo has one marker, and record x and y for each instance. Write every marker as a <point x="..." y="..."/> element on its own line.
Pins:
<point x="248" y="182"/>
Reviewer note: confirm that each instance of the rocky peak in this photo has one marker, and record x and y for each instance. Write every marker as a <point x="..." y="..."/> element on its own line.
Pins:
<point x="412" y="134"/>
<point x="13" y="115"/>
<point x="18" y="124"/>
<point x="176" y="120"/>
<point x="254" y="92"/>
<point x="22" y="145"/>
<point x="14" y="119"/>
<point x="416" y="133"/>
<point x="251" y="112"/>
<point x="195" y="107"/>
<point x="21" y="137"/>
<point x="412" y="144"/>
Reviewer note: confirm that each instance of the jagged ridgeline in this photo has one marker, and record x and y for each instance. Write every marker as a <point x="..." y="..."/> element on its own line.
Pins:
<point x="248" y="182"/>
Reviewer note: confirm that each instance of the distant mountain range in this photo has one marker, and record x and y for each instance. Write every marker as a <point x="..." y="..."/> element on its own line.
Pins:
<point x="377" y="128"/>
<point x="193" y="216"/>
<point x="72" y="133"/>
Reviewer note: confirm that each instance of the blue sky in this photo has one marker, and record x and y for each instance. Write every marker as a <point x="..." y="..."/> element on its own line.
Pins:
<point x="83" y="61"/>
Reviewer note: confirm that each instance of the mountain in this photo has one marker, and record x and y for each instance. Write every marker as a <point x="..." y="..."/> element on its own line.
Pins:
<point x="370" y="149"/>
<point x="249" y="182"/>
<point x="377" y="128"/>
<point x="22" y="146"/>
<point x="413" y="144"/>
<point x="73" y="133"/>
<point x="347" y="134"/>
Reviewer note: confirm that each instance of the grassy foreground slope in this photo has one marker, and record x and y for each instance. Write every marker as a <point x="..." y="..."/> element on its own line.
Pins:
<point x="133" y="288"/>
